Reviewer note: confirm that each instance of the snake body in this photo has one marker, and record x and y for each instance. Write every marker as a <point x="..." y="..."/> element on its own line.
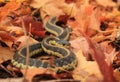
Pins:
<point x="53" y="45"/>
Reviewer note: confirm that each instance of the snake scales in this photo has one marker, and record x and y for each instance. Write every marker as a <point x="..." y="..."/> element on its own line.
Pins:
<point x="52" y="45"/>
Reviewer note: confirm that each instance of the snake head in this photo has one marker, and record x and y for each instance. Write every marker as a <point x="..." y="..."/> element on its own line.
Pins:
<point x="64" y="42"/>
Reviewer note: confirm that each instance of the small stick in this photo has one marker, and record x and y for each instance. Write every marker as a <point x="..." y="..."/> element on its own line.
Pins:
<point x="7" y="70"/>
<point x="27" y="47"/>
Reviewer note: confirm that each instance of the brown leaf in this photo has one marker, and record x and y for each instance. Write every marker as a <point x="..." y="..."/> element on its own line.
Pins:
<point x="54" y="8"/>
<point x="5" y="54"/>
<point x="23" y="41"/>
<point x="94" y="20"/>
<point x="77" y="45"/>
<point x="106" y="70"/>
<point x="13" y="30"/>
<point x="12" y="80"/>
<point x="48" y="7"/>
<point x="6" y="37"/>
<point x="32" y="72"/>
<point x="108" y="50"/>
<point x="106" y="2"/>
<point x="31" y="25"/>
<point x="70" y="1"/>
<point x="86" y="69"/>
<point x="9" y="7"/>
<point x="117" y="74"/>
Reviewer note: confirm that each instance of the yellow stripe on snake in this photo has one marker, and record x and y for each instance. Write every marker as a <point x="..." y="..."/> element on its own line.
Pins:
<point x="52" y="45"/>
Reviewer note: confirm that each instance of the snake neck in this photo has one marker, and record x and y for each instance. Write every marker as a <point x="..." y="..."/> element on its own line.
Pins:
<point x="58" y="31"/>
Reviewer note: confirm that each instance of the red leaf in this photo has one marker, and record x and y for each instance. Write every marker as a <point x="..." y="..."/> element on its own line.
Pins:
<point x="40" y="34"/>
<point x="6" y="36"/>
<point x="36" y="27"/>
<point x="89" y="10"/>
<point x="70" y="1"/>
<point x="63" y="19"/>
<point x="105" y="69"/>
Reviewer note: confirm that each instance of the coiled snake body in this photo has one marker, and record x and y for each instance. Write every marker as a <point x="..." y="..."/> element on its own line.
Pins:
<point x="53" y="45"/>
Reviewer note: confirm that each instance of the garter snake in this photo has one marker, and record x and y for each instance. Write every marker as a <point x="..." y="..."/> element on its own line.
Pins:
<point x="52" y="45"/>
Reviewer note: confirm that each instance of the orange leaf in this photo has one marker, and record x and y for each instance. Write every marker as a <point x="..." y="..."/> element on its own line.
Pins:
<point x="40" y="34"/>
<point x="89" y="10"/>
<point x="99" y="57"/>
<point x="32" y="72"/>
<point x="9" y="7"/>
<point x="70" y="1"/>
<point x="6" y="36"/>
<point x="86" y="69"/>
<point x="37" y="71"/>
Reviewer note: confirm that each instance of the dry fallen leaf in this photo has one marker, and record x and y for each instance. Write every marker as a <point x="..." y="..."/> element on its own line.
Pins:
<point x="86" y="18"/>
<point x="5" y="54"/>
<point x="99" y="55"/>
<point x="47" y="7"/>
<point x="10" y="7"/>
<point x="106" y="2"/>
<point x="23" y="42"/>
<point x="59" y="7"/>
<point x="77" y="45"/>
<point x="117" y="74"/>
<point x="32" y="72"/>
<point x="86" y="69"/>
<point x="12" y="80"/>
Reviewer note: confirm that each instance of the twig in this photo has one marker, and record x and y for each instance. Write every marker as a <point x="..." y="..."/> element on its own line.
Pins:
<point x="7" y="70"/>
<point x="27" y="47"/>
<point x="62" y="80"/>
